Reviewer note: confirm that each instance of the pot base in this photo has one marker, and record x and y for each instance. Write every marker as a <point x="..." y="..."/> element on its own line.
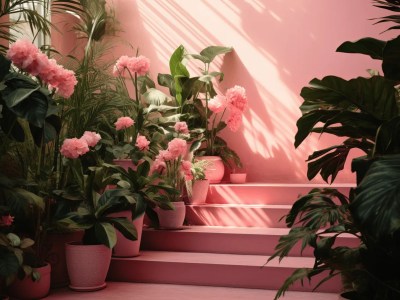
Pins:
<point x="88" y="289"/>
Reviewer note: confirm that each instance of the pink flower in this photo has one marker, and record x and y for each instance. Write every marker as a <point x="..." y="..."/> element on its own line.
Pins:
<point x="181" y="127"/>
<point x="120" y="65"/>
<point x="6" y="220"/>
<point x="91" y="138"/>
<point x="123" y="123"/>
<point x="158" y="165"/>
<point x="139" y="65"/>
<point x="142" y="143"/>
<point x="22" y="53"/>
<point x="235" y="120"/>
<point x="65" y="83"/>
<point x="217" y="104"/>
<point x="165" y="155"/>
<point x="236" y="98"/>
<point x="177" y="147"/>
<point x="186" y="168"/>
<point x="73" y="148"/>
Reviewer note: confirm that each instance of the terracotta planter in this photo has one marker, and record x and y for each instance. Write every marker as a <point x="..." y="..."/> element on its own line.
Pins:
<point x="125" y="247"/>
<point x="87" y="266"/>
<point x="27" y="289"/>
<point x="215" y="170"/>
<point x="172" y="219"/>
<point x="199" y="192"/>
<point x="54" y="253"/>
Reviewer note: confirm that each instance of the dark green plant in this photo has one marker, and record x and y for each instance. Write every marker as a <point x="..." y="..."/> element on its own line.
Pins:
<point x="366" y="112"/>
<point x="97" y="204"/>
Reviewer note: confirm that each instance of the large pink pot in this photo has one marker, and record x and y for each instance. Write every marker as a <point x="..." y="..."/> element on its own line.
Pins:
<point x="216" y="169"/>
<point x="199" y="192"/>
<point x="27" y="289"/>
<point x="125" y="247"/>
<point x="172" y="219"/>
<point x="87" y="266"/>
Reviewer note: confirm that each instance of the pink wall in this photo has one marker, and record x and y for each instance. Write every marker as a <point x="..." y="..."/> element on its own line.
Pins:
<point x="280" y="46"/>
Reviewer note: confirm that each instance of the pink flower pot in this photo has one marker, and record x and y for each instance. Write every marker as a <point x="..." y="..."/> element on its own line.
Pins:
<point x="125" y="247"/>
<point x="27" y="289"/>
<point x="172" y="219"/>
<point x="199" y="192"/>
<point x="87" y="266"/>
<point x="216" y="169"/>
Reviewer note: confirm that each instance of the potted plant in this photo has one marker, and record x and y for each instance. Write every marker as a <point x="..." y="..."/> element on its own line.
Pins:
<point x="199" y="105"/>
<point x="197" y="188"/>
<point x="175" y="171"/>
<point x="88" y="260"/>
<point x="365" y="111"/>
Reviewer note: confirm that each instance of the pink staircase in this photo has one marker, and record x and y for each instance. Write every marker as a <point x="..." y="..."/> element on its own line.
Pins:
<point x="227" y="243"/>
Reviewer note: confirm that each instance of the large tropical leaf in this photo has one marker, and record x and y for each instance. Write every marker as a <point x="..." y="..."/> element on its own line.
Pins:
<point x="391" y="59"/>
<point x="369" y="46"/>
<point x="376" y="207"/>
<point x="105" y="234"/>
<point x="126" y="227"/>
<point x="211" y="52"/>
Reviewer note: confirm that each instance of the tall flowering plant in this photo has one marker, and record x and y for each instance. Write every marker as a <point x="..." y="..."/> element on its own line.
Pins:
<point x="172" y="166"/>
<point x="231" y="105"/>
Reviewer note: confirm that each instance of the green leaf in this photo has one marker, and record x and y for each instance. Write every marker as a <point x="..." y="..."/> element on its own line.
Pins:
<point x="126" y="227"/>
<point x="155" y="97"/>
<point x="212" y="51"/>
<point x="9" y="264"/>
<point x="387" y="139"/>
<point x="376" y="207"/>
<point x="105" y="234"/>
<point x="391" y="59"/>
<point x="5" y="65"/>
<point x="369" y="46"/>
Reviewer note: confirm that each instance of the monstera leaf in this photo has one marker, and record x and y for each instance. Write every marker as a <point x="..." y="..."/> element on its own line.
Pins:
<point x="376" y="206"/>
<point x="368" y="46"/>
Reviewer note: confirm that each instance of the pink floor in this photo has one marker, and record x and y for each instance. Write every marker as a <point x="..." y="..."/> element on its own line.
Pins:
<point x="140" y="291"/>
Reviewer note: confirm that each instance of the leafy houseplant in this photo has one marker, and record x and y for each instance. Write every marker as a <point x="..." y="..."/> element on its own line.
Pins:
<point x="366" y="112"/>
<point x="197" y="188"/>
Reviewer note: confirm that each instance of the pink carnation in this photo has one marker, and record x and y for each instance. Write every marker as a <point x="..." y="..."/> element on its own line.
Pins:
<point x="6" y="220"/>
<point x="235" y="120"/>
<point x="165" y="155"/>
<point x="186" y="167"/>
<point x="158" y="165"/>
<point x="73" y="148"/>
<point x="91" y="138"/>
<point x="65" y="82"/>
<point x="139" y="65"/>
<point x="181" y="127"/>
<point x="142" y="143"/>
<point x="120" y="65"/>
<point x="236" y="98"/>
<point x="22" y="53"/>
<point x="177" y="147"/>
<point x="123" y="123"/>
<point x="217" y="104"/>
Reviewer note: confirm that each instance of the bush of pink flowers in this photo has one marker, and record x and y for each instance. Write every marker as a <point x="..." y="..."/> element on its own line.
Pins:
<point x="172" y="166"/>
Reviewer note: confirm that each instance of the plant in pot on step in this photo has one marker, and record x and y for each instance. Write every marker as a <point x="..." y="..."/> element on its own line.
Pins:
<point x="175" y="171"/>
<point x="88" y="260"/>
<point x="149" y="193"/>
<point x="197" y="188"/>
<point x="199" y="105"/>
<point x="366" y="112"/>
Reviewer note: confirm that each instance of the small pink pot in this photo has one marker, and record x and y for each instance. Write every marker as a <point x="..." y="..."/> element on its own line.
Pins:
<point x="172" y="219"/>
<point x="125" y="247"/>
<point x="27" y="289"/>
<point x="199" y="192"/>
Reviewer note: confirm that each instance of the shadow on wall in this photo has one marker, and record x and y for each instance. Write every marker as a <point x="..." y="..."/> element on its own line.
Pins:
<point x="279" y="47"/>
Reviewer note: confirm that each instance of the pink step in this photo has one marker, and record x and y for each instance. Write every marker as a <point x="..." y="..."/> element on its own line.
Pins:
<point x="231" y="240"/>
<point x="239" y="215"/>
<point x="210" y="269"/>
<point x="264" y="193"/>
<point x="146" y="291"/>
